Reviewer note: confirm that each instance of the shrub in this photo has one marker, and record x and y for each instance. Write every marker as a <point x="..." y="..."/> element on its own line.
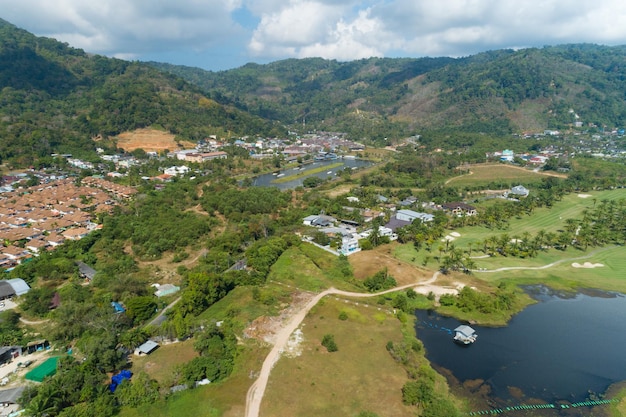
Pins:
<point x="328" y="341"/>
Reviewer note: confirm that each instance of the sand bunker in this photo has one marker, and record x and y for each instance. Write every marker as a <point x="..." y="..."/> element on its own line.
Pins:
<point x="587" y="265"/>
<point x="455" y="234"/>
<point x="449" y="238"/>
<point x="584" y="195"/>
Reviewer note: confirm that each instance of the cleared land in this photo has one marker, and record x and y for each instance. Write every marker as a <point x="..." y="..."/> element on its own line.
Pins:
<point x="162" y="363"/>
<point x="483" y="174"/>
<point x="150" y="140"/>
<point x="360" y="376"/>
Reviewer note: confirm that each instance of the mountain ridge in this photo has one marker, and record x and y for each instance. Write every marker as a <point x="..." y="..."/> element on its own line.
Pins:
<point x="55" y="99"/>
<point x="501" y="91"/>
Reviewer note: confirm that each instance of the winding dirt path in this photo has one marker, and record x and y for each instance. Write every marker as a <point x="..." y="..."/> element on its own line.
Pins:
<point x="33" y="322"/>
<point x="513" y="268"/>
<point x="257" y="389"/>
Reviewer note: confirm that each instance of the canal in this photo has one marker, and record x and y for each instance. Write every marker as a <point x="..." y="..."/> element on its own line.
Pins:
<point x="267" y="180"/>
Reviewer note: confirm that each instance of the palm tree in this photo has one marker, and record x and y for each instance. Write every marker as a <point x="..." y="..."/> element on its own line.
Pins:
<point x="46" y="403"/>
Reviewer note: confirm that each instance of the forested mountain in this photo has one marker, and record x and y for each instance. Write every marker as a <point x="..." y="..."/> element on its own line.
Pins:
<point x="54" y="98"/>
<point x="498" y="92"/>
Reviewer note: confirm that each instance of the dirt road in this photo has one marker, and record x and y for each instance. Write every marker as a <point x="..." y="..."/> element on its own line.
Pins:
<point x="257" y="389"/>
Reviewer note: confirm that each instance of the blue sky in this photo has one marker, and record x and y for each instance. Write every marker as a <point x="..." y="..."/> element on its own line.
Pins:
<point x="223" y="34"/>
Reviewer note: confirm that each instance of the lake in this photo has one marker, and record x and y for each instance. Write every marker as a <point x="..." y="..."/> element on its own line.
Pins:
<point x="266" y="179"/>
<point x="560" y="349"/>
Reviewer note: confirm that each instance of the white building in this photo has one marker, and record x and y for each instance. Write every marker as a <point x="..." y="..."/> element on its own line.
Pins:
<point x="410" y="215"/>
<point x="349" y="245"/>
<point x="177" y="170"/>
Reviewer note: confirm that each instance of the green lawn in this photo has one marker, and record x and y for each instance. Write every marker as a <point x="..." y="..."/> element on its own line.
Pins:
<point x="547" y="219"/>
<point x="483" y="175"/>
<point x="565" y="276"/>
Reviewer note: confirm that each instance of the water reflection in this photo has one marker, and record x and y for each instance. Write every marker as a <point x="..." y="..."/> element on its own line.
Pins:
<point x="266" y="179"/>
<point x="562" y="348"/>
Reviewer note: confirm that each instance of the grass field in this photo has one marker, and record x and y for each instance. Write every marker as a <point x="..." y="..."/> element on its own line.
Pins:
<point x="562" y="275"/>
<point x="309" y="268"/>
<point x="483" y="174"/>
<point x="161" y="364"/>
<point x="360" y="376"/>
<point x="224" y="399"/>
<point x="547" y="219"/>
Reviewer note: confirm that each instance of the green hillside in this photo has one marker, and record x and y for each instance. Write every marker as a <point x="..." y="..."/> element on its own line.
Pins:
<point x="55" y="98"/>
<point x="496" y="92"/>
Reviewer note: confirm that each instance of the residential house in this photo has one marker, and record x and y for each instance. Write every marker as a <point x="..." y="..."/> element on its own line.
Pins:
<point x="177" y="170"/>
<point x="459" y="209"/>
<point x="518" y="191"/>
<point x="205" y="156"/>
<point x="349" y="245"/>
<point x="410" y="216"/>
<point x="85" y="270"/>
<point x="76" y="233"/>
<point x="319" y="220"/>
<point x="9" y="400"/>
<point x="146" y="348"/>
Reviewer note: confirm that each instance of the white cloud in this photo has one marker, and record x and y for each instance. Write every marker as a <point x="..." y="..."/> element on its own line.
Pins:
<point x="127" y="27"/>
<point x="339" y="29"/>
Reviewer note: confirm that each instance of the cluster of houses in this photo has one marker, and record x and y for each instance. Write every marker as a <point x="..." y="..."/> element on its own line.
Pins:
<point x="211" y="149"/>
<point x="349" y="232"/>
<point x="41" y="217"/>
<point x="508" y="155"/>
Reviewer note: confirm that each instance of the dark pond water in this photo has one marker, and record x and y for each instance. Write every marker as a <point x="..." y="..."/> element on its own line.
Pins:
<point x="266" y="180"/>
<point x="558" y="349"/>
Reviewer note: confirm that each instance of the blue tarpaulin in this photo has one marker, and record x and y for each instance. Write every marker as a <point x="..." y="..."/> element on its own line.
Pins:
<point x="117" y="379"/>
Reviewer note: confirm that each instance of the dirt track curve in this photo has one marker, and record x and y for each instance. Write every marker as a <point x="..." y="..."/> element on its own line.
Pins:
<point x="257" y="389"/>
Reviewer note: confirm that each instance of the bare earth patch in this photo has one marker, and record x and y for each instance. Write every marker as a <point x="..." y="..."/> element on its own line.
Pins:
<point x="587" y="265"/>
<point x="150" y="140"/>
<point x="367" y="263"/>
<point x="265" y="328"/>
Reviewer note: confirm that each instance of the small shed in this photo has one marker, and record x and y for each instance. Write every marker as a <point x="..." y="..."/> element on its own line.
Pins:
<point x="147" y="348"/>
<point x="6" y="290"/>
<point x="19" y="285"/>
<point x="37" y="345"/>
<point x="166" y="289"/>
<point x="85" y="270"/>
<point x="9" y="397"/>
<point x="8" y="353"/>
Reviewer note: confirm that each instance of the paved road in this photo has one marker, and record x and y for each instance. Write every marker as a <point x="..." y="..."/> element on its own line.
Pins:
<point x="257" y="389"/>
<point x="161" y="317"/>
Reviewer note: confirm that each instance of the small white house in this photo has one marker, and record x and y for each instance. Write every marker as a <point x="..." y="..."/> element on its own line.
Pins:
<point x="349" y="245"/>
<point x="177" y="170"/>
<point x="519" y="191"/>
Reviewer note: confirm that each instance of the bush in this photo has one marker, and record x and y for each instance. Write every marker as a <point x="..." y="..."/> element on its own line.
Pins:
<point x="380" y="281"/>
<point x="328" y="341"/>
<point x="343" y="316"/>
